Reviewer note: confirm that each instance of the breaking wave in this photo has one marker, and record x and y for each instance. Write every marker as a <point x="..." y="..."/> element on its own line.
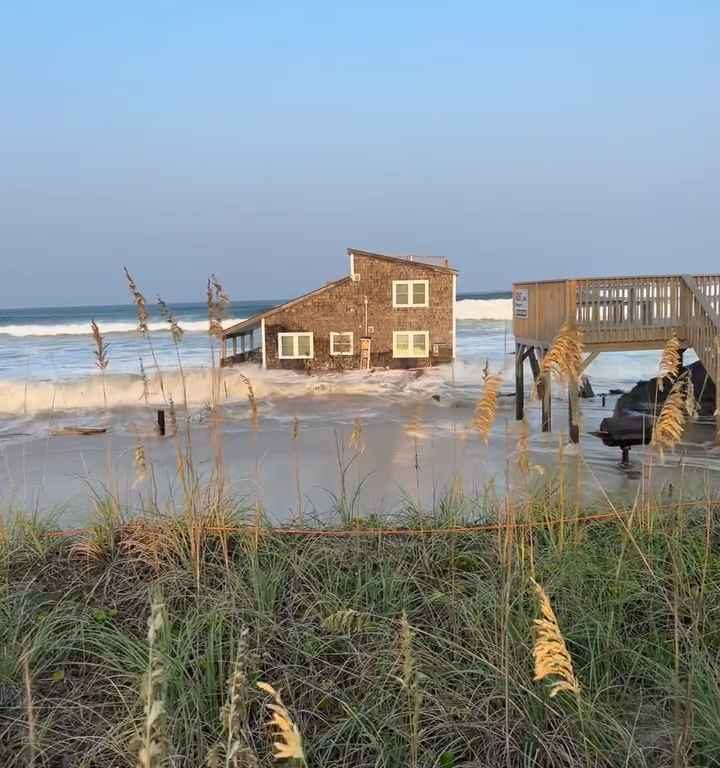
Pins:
<point x="83" y="329"/>
<point x="484" y="309"/>
<point x="124" y="390"/>
<point x="466" y="309"/>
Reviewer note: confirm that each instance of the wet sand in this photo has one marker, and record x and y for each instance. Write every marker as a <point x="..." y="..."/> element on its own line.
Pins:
<point x="409" y="450"/>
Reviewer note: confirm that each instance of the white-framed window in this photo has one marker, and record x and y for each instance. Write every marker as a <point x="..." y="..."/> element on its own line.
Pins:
<point x="411" y="293"/>
<point x="411" y="343"/>
<point x="295" y="346"/>
<point x="341" y="343"/>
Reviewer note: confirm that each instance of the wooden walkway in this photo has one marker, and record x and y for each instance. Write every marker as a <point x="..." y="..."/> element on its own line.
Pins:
<point x="617" y="314"/>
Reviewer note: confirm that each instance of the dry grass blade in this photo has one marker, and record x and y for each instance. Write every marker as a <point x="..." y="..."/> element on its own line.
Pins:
<point x="235" y="748"/>
<point x="564" y="360"/>
<point x="101" y="349"/>
<point x="670" y="361"/>
<point x="217" y="303"/>
<point x="145" y="382"/>
<point x="29" y="710"/>
<point x="172" y="416"/>
<point x="253" y="402"/>
<point x="552" y="658"/>
<point x="407" y="658"/>
<point x="140" y="464"/>
<point x="166" y="313"/>
<point x="670" y="424"/>
<point x="152" y="745"/>
<point x="139" y="300"/>
<point x="522" y="452"/>
<point x="357" y="442"/>
<point x="486" y="407"/>
<point x="346" y="621"/>
<point x="289" y="741"/>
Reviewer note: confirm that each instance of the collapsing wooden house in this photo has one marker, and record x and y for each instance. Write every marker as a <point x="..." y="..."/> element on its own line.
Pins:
<point x="390" y="311"/>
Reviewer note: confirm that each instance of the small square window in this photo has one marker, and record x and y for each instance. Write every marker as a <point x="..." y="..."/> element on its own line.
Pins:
<point x="341" y="343"/>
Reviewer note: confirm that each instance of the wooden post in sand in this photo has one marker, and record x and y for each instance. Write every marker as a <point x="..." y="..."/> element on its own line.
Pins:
<point x="161" y="422"/>
<point x="542" y="385"/>
<point x="573" y="410"/>
<point x="519" y="382"/>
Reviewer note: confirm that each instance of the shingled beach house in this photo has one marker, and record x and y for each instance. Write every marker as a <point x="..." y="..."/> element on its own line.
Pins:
<point x="390" y="311"/>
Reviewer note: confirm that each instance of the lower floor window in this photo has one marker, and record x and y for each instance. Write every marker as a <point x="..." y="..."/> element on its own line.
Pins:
<point x="341" y="343"/>
<point x="295" y="346"/>
<point x="411" y="343"/>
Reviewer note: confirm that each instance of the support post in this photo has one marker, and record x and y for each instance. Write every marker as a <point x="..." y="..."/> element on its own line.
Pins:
<point x="546" y="389"/>
<point x="161" y="422"/>
<point x="542" y="385"/>
<point x="519" y="382"/>
<point x="573" y="410"/>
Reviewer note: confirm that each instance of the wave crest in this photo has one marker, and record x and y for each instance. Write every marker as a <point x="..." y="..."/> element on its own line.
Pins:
<point x="83" y="329"/>
<point x="466" y="309"/>
<point x="484" y="309"/>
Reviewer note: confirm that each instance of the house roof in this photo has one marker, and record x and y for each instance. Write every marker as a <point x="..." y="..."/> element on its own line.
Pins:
<point x="255" y="320"/>
<point x="439" y="264"/>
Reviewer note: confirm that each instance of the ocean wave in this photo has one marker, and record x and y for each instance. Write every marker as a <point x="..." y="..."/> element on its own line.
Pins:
<point x="124" y="390"/>
<point x="484" y="309"/>
<point x="83" y="329"/>
<point x="466" y="309"/>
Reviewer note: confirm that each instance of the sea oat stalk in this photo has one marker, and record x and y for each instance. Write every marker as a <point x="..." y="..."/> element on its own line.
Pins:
<point x="101" y="355"/>
<point x="486" y="407"/>
<point x="552" y="658"/>
<point x="670" y="361"/>
<point x="670" y="424"/>
<point x="289" y="744"/>
<point x="152" y="742"/>
<point x="564" y="359"/>
<point x="143" y="324"/>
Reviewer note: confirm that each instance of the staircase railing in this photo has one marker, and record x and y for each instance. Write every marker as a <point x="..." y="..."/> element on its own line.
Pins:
<point x="701" y="325"/>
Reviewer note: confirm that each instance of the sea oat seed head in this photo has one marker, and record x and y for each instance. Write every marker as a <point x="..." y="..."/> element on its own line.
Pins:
<point x="289" y="741"/>
<point x="552" y="658"/>
<point x="486" y="407"/>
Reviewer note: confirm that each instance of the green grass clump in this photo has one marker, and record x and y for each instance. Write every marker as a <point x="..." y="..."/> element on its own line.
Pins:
<point x="412" y="650"/>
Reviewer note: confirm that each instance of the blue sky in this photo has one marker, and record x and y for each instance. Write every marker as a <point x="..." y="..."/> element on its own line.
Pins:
<point x="521" y="139"/>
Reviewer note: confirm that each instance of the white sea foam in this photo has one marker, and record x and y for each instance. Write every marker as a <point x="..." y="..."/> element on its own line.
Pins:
<point x="466" y="309"/>
<point x="484" y="309"/>
<point x="120" y="391"/>
<point x="83" y="329"/>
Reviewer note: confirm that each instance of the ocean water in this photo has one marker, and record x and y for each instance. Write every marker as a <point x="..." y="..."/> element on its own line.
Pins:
<point x="47" y="361"/>
<point x="48" y="378"/>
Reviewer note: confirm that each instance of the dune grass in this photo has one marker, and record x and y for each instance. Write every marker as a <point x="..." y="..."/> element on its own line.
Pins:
<point x="403" y="650"/>
<point x="528" y="629"/>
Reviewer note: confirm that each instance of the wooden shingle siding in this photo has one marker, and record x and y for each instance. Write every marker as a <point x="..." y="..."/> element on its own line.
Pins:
<point x="341" y="308"/>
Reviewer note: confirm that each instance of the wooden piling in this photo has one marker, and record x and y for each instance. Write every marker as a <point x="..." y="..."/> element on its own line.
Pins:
<point x="519" y="382"/>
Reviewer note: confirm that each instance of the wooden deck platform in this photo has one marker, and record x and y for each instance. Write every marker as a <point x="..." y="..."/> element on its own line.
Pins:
<point x="617" y="314"/>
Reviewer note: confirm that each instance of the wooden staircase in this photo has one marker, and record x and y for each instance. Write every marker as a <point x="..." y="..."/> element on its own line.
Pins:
<point x="701" y="325"/>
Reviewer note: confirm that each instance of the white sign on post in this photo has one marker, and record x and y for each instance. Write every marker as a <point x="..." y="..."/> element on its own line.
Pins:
<point x="520" y="303"/>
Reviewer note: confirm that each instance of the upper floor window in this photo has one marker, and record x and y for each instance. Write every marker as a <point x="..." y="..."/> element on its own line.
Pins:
<point x="411" y="293"/>
<point x="295" y="346"/>
<point x="341" y="343"/>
